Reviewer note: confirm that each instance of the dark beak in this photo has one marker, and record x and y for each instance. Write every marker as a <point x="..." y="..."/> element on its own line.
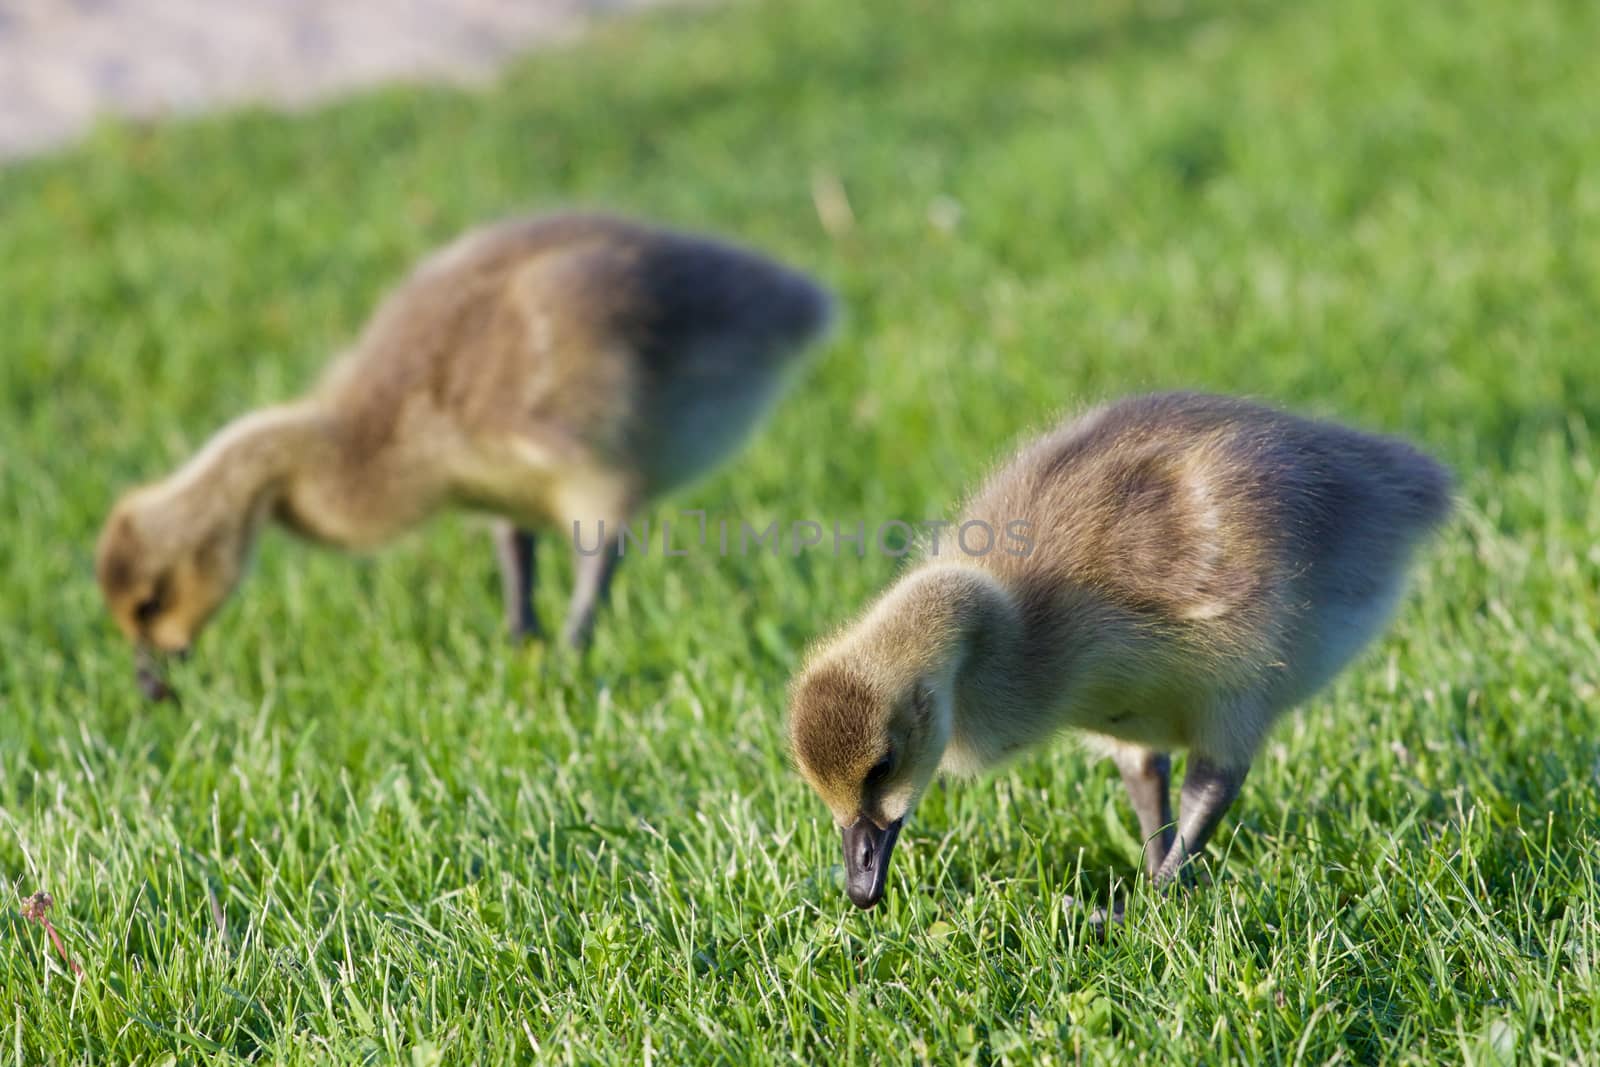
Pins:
<point x="151" y="683"/>
<point x="866" y="859"/>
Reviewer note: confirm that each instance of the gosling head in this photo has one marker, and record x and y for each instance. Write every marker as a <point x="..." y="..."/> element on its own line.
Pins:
<point x="869" y="744"/>
<point x="163" y="578"/>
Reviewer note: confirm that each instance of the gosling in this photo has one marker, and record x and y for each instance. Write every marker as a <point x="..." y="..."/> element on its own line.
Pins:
<point x="555" y="372"/>
<point x="1168" y="571"/>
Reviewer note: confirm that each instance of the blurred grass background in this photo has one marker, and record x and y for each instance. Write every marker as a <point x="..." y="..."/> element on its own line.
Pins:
<point x="373" y="833"/>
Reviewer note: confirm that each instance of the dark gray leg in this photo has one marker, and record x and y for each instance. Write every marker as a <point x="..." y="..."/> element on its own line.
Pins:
<point x="592" y="582"/>
<point x="514" y="548"/>
<point x="1147" y="775"/>
<point x="1208" y="792"/>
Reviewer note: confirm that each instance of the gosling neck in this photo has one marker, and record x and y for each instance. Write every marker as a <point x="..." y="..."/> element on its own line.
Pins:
<point x="244" y="469"/>
<point x="956" y="626"/>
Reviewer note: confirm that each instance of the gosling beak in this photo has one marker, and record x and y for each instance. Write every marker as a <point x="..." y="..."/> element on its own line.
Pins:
<point x="866" y="859"/>
<point x="151" y="681"/>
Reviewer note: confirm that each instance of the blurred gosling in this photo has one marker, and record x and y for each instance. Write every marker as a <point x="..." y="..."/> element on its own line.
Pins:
<point x="558" y="371"/>
<point x="1192" y="567"/>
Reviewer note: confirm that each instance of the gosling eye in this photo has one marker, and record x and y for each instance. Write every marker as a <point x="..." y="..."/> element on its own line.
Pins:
<point x="880" y="771"/>
<point x="148" y="608"/>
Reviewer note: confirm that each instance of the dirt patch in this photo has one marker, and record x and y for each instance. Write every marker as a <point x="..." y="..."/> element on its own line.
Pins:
<point x="64" y="62"/>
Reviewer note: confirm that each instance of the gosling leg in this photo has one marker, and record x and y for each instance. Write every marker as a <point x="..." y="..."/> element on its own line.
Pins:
<point x="589" y="589"/>
<point x="1208" y="791"/>
<point x="1147" y="775"/>
<point x="514" y="548"/>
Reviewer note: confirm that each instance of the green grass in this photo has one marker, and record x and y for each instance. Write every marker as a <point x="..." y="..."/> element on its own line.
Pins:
<point x="373" y="834"/>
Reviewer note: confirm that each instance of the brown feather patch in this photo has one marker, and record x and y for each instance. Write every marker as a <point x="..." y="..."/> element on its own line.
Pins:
<point x="837" y="729"/>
